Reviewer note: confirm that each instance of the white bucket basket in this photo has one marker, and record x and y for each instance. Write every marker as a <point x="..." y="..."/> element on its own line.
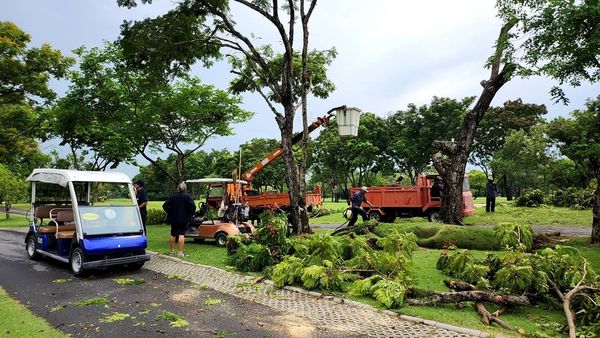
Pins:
<point x="348" y="120"/>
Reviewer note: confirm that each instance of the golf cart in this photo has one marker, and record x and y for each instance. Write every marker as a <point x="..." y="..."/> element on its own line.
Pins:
<point x="87" y="219"/>
<point x="220" y="214"/>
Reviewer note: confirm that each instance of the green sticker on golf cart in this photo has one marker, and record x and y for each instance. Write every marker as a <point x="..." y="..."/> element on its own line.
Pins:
<point x="90" y="216"/>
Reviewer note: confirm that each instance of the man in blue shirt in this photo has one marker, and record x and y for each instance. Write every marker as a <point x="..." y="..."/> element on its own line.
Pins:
<point x="142" y="200"/>
<point x="356" y="201"/>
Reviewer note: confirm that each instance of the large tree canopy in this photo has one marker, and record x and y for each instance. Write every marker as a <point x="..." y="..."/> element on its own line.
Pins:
<point x="413" y="130"/>
<point x="498" y="123"/>
<point x="560" y="39"/>
<point x="117" y="112"/>
<point x="24" y="76"/>
<point x="204" y="30"/>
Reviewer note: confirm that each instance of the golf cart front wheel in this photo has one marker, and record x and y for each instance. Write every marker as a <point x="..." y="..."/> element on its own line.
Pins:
<point x="76" y="262"/>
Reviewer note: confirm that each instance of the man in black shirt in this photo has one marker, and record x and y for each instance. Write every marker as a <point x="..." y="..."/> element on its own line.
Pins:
<point x="491" y="191"/>
<point x="180" y="209"/>
<point x="142" y="200"/>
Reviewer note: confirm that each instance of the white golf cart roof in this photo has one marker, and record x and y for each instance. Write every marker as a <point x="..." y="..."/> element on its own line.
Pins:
<point x="62" y="177"/>
<point x="215" y="180"/>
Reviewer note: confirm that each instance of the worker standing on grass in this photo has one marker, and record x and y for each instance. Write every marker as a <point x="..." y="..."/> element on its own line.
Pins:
<point x="491" y="191"/>
<point x="356" y="201"/>
<point x="180" y="209"/>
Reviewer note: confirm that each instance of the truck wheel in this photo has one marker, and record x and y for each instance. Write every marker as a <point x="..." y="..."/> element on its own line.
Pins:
<point x="434" y="216"/>
<point x="375" y="216"/>
<point x="31" y="247"/>
<point x="76" y="262"/>
<point x="221" y="239"/>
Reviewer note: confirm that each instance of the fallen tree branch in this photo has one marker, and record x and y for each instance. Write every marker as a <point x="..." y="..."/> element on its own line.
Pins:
<point x="489" y="318"/>
<point x="470" y="296"/>
<point x="555" y="288"/>
<point x="567" y="301"/>
<point x="552" y="237"/>
<point x="457" y="285"/>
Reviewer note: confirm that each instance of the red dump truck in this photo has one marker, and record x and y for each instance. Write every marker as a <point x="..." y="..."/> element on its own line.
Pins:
<point x="391" y="201"/>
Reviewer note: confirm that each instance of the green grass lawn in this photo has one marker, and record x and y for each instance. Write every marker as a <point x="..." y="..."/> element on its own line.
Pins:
<point x="542" y="215"/>
<point x="207" y="253"/>
<point x="13" y="221"/>
<point x="18" y="321"/>
<point x="505" y="212"/>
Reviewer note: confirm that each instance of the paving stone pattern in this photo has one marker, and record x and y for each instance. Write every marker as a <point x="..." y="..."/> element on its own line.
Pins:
<point x="332" y="313"/>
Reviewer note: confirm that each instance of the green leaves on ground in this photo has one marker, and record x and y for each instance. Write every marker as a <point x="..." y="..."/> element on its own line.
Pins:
<point x="540" y="275"/>
<point x="212" y="301"/>
<point x="115" y="317"/>
<point x="93" y="301"/>
<point x="129" y="281"/>
<point x="174" y="319"/>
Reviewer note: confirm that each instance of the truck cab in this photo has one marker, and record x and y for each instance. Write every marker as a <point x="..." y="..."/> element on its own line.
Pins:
<point x="87" y="219"/>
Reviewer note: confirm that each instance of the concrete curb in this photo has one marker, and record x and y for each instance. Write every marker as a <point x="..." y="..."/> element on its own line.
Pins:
<point x="341" y="300"/>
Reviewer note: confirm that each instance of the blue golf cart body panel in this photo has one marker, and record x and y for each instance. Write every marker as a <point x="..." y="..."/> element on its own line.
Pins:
<point x="104" y="245"/>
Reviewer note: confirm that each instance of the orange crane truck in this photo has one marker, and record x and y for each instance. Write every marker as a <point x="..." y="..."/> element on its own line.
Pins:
<point x="261" y="202"/>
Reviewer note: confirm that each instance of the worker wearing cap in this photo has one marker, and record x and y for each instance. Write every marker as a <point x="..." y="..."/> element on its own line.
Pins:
<point x="142" y="200"/>
<point x="356" y="201"/>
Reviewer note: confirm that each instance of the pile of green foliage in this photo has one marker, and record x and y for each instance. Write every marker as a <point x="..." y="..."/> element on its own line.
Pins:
<point x="532" y="198"/>
<point x="572" y="198"/>
<point x="539" y="275"/>
<point x="379" y="267"/>
<point x="266" y="247"/>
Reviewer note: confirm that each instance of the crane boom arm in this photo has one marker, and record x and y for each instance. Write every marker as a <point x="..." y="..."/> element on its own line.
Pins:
<point x="249" y="174"/>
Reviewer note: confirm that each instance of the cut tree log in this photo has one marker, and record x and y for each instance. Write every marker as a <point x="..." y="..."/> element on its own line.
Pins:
<point x="470" y="296"/>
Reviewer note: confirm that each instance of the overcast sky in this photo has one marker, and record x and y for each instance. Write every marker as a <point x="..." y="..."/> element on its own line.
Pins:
<point x="391" y="52"/>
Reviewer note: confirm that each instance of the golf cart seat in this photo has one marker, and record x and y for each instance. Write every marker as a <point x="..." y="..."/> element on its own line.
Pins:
<point x="62" y="222"/>
<point x="65" y="234"/>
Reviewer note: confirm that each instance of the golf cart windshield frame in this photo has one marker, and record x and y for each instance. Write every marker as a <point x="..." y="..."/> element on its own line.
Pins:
<point x="86" y="217"/>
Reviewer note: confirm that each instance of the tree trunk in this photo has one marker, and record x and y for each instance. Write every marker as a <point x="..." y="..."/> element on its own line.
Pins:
<point x="7" y="209"/>
<point x="294" y="180"/>
<point x="451" y="210"/>
<point x="596" y="209"/>
<point x="470" y="296"/>
<point x="507" y="189"/>
<point x="452" y="166"/>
